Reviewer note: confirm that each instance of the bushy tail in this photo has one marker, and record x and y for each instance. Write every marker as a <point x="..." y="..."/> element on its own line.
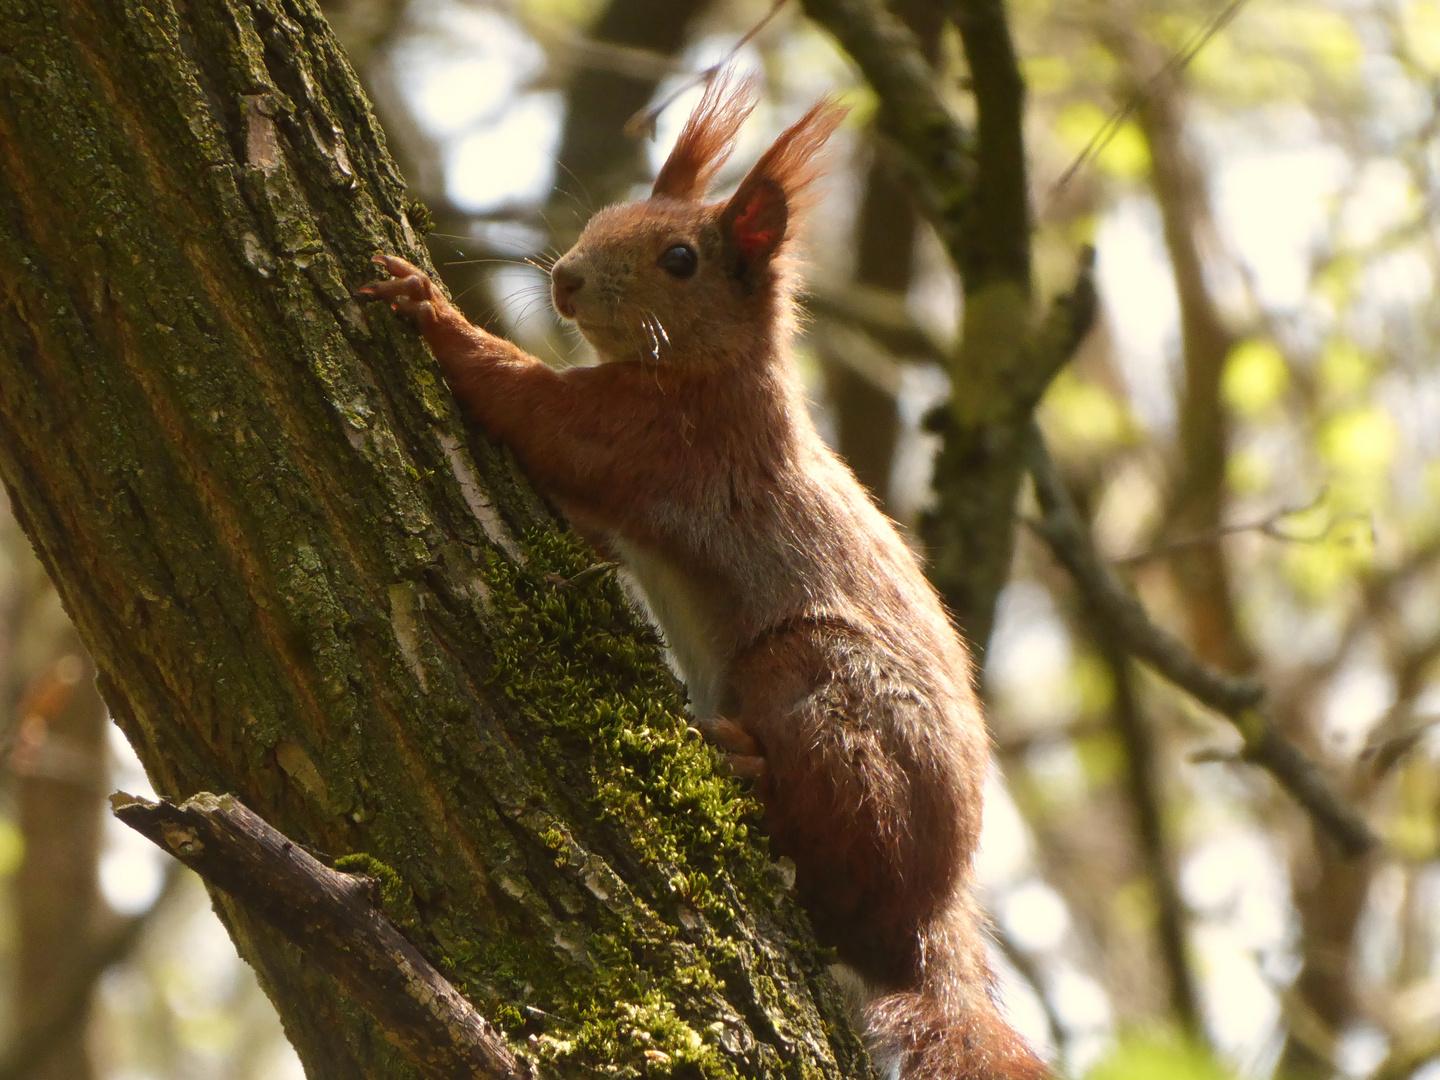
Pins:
<point x="950" y="1027"/>
<point x="913" y="1036"/>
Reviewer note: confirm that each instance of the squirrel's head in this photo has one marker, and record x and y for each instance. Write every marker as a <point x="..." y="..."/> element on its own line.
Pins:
<point x="671" y="279"/>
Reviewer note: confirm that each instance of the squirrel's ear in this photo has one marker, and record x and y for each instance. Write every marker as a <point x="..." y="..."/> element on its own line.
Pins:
<point x="755" y="218"/>
<point x="769" y="201"/>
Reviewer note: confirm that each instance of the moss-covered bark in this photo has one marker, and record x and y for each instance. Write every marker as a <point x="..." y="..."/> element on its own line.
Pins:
<point x="300" y="587"/>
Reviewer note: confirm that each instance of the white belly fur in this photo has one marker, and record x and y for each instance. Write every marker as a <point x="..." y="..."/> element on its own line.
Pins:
<point x="678" y="607"/>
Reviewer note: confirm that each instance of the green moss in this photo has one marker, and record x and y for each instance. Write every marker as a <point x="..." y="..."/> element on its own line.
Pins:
<point x="582" y="669"/>
<point x="421" y="220"/>
<point x="395" y="897"/>
<point x="597" y="710"/>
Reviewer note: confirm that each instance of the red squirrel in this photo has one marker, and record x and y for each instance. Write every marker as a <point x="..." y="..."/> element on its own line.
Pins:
<point x="811" y="644"/>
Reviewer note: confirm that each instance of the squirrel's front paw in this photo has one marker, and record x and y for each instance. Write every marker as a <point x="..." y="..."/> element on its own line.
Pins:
<point x="408" y="290"/>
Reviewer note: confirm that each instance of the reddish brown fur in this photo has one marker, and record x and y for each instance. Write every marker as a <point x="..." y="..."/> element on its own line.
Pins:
<point x="791" y="605"/>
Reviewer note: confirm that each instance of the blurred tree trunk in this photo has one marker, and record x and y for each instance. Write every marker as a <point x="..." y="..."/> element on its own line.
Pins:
<point x="1330" y="897"/>
<point x="596" y="164"/>
<point x="57" y="758"/>
<point x="1197" y="504"/>
<point x="298" y="586"/>
<point x="1330" y="887"/>
<point x="867" y="424"/>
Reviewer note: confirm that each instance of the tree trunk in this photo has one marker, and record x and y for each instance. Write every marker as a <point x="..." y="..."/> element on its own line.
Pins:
<point x="867" y="421"/>
<point x="59" y="762"/>
<point x="298" y="586"/>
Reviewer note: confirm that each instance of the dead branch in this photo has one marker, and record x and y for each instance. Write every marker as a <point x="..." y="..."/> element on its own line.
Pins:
<point x="331" y="917"/>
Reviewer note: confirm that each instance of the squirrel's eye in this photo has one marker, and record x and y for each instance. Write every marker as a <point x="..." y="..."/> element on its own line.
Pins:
<point x="679" y="261"/>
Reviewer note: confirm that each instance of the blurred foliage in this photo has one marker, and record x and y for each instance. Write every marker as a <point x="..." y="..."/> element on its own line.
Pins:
<point x="1146" y="1055"/>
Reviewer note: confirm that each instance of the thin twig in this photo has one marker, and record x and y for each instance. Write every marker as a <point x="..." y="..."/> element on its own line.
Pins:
<point x="1008" y="747"/>
<point x="1173" y="66"/>
<point x="1238" y="699"/>
<point x="627" y="60"/>
<point x="882" y="314"/>
<point x="1386" y="753"/>
<point x="642" y="124"/>
<point x="1266" y="526"/>
<point x="1027" y="968"/>
<point x="1147" y="802"/>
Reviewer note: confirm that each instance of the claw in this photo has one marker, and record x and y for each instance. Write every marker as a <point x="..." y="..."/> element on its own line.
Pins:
<point x="407" y="290"/>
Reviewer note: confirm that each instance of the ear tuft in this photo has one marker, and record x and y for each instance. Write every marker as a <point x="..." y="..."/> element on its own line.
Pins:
<point x="706" y="140"/>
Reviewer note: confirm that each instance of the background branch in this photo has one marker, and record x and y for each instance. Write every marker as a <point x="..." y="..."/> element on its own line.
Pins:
<point x="1237" y="699"/>
<point x="934" y="148"/>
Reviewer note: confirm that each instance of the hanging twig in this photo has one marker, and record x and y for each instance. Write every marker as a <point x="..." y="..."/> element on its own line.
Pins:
<point x="1116" y="120"/>
<point x="642" y="124"/>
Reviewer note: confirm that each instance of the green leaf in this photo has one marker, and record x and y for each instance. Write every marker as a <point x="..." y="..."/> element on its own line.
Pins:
<point x="1255" y="377"/>
<point x="1084" y="415"/>
<point x="1150" y="1055"/>
<point x="1361" y="442"/>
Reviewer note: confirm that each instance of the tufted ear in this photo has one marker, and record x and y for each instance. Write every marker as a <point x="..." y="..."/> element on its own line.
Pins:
<point x="706" y="140"/>
<point x="771" y="199"/>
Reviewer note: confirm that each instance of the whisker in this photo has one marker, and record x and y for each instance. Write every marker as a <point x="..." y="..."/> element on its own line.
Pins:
<point x="468" y="290"/>
<point x="648" y="321"/>
<point x="588" y="204"/>
<point x="485" y="261"/>
<point x="530" y="310"/>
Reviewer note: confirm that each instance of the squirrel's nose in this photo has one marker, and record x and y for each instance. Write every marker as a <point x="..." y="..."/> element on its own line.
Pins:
<point x="565" y="283"/>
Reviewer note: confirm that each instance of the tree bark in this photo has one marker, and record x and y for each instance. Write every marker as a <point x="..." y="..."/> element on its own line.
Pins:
<point x="299" y="587"/>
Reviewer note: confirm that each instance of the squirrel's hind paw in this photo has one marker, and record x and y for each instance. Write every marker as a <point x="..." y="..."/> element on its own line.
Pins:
<point x="743" y="754"/>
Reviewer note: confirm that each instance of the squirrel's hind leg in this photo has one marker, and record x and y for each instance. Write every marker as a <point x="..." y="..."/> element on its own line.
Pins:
<point x="866" y="813"/>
